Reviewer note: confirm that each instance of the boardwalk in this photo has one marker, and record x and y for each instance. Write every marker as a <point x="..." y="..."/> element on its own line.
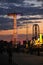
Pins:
<point x="22" y="59"/>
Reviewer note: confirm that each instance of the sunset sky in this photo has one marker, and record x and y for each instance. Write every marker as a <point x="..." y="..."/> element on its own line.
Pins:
<point x="30" y="11"/>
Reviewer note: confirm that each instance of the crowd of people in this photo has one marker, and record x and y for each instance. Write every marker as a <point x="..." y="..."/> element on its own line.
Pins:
<point x="10" y="48"/>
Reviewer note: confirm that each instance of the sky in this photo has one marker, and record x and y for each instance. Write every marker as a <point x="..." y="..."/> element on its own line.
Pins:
<point x="30" y="11"/>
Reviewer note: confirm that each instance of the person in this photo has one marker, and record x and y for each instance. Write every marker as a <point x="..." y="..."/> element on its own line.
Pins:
<point x="38" y="49"/>
<point x="10" y="55"/>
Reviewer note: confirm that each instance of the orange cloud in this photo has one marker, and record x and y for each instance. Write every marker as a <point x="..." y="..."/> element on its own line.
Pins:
<point x="23" y="30"/>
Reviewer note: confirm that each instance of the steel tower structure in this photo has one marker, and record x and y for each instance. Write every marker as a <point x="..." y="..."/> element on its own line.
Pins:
<point x="14" y="39"/>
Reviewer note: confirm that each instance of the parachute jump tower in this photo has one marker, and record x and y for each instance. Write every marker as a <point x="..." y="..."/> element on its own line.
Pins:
<point x="14" y="39"/>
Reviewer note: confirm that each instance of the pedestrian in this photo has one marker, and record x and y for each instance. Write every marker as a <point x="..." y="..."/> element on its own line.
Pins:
<point x="10" y="55"/>
<point x="38" y="49"/>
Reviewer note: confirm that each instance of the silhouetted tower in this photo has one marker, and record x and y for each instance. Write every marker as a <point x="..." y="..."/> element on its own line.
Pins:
<point x="36" y="31"/>
<point x="14" y="39"/>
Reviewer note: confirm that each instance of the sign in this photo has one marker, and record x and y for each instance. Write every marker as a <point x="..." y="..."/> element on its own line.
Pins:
<point x="41" y="38"/>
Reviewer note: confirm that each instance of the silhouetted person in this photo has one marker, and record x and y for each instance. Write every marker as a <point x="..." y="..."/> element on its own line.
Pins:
<point x="10" y="55"/>
<point x="1" y="46"/>
<point x="38" y="50"/>
<point x="31" y="48"/>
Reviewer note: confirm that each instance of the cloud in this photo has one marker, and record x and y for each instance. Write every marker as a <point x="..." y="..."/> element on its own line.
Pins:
<point x="5" y="23"/>
<point x="29" y="10"/>
<point x="25" y="3"/>
<point x="22" y="10"/>
<point x="25" y="7"/>
<point x="32" y="3"/>
<point x="6" y="16"/>
<point x="9" y="4"/>
<point x="11" y="1"/>
<point x="4" y="5"/>
<point x="10" y="17"/>
<point x="32" y="16"/>
<point x="6" y="32"/>
<point x="39" y="0"/>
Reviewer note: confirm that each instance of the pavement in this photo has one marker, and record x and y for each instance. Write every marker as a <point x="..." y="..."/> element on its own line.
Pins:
<point x="4" y="60"/>
<point x="21" y="59"/>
